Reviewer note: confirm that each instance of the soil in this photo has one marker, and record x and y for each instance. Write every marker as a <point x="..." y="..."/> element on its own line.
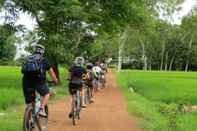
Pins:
<point x="107" y="113"/>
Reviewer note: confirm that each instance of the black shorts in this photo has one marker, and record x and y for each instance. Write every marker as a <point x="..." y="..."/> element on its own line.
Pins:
<point x="29" y="88"/>
<point x="89" y="84"/>
<point x="74" y="87"/>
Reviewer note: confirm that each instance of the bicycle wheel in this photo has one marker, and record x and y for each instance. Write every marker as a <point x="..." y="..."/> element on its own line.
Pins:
<point x="43" y="121"/>
<point x="88" y="95"/>
<point x="28" y="120"/>
<point x="74" y="111"/>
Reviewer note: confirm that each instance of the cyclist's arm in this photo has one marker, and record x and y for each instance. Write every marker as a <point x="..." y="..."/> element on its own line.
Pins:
<point x="53" y="76"/>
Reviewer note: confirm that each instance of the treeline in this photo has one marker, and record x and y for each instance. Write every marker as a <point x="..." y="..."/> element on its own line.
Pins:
<point x="164" y="46"/>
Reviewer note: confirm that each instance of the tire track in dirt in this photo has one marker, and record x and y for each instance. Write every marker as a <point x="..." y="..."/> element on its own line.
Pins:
<point x="108" y="113"/>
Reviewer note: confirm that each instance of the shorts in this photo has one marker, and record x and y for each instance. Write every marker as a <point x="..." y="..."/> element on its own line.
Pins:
<point x="74" y="87"/>
<point x="29" y="88"/>
<point x="89" y="84"/>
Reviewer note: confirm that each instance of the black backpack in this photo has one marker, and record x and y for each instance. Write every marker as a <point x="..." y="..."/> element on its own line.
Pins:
<point x="32" y="65"/>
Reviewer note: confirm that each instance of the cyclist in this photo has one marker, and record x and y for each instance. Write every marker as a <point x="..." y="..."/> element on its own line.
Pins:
<point x="103" y="67"/>
<point x="75" y="78"/>
<point x="97" y="75"/>
<point x="89" y="81"/>
<point x="32" y="82"/>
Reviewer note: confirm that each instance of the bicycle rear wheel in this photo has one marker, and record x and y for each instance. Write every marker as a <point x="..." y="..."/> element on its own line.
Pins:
<point x="74" y="114"/>
<point x="29" y="123"/>
<point x="43" y="121"/>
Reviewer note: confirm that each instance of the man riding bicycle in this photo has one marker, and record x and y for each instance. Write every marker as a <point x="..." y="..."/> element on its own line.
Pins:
<point x="89" y="79"/>
<point x="75" y="78"/>
<point x="97" y="75"/>
<point x="36" y="81"/>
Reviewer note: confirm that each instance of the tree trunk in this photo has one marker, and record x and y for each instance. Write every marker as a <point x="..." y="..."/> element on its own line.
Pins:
<point x="171" y="62"/>
<point x="150" y="65"/>
<point x="119" y="58"/>
<point x="166" y="62"/>
<point x="162" y="56"/>
<point x="144" y="58"/>
<point x="122" y="41"/>
<point x="188" y="56"/>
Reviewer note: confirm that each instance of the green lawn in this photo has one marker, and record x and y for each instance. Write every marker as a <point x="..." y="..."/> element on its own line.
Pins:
<point x="12" y="100"/>
<point x="157" y="98"/>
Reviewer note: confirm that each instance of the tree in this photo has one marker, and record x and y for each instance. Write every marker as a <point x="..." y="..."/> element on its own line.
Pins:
<point x="7" y="40"/>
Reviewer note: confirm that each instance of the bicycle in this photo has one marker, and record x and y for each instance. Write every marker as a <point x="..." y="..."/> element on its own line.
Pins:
<point x="103" y="80"/>
<point x="88" y="94"/>
<point x="76" y="107"/>
<point x="32" y="121"/>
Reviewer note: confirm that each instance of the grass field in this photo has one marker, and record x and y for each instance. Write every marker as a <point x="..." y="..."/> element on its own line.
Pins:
<point x="12" y="100"/>
<point x="158" y="96"/>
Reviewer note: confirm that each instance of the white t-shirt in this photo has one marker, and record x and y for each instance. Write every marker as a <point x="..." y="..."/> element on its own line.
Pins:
<point x="97" y="71"/>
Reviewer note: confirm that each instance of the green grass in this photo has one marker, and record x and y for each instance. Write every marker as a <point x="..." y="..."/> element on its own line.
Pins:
<point x="10" y="87"/>
<point x="167" y="87"/>
<point x="157" y="97"/>
<point x="12" y="100"/>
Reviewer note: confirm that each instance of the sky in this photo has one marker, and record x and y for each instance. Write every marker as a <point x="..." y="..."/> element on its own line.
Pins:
<point x="186" y="8"/>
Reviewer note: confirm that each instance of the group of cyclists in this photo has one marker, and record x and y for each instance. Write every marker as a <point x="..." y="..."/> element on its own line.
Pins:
<point x="82" y="74"/>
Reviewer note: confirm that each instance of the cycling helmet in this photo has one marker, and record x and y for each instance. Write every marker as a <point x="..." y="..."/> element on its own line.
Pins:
<point x="79" y="61"/>
<point x="39" y="49"/>
<point x="89" y="66"/>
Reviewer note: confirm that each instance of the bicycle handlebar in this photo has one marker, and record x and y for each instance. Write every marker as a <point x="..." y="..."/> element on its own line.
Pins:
<point x="51" y="83"/>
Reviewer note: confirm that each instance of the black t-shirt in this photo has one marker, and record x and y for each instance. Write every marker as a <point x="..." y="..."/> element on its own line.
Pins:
<point x="77" y="72"/>
<point x="41" y="78"/>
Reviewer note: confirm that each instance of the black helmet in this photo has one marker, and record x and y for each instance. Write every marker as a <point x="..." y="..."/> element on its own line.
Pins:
<point x="89" y="66"/>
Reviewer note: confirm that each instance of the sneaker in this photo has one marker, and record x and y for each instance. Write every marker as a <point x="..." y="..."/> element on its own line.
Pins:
<point x="92" y="100"/>
<point x="84" y="106"/>
<point x="70" y="115"/>
<point x="42" y="113"/>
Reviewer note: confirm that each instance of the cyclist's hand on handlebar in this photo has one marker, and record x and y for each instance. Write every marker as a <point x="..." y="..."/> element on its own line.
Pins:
<point x="56" y="82"/>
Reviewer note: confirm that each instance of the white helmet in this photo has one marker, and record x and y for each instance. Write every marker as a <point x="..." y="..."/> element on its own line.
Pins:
<point x="79" y="61"/>
<point x="39" y="49"/>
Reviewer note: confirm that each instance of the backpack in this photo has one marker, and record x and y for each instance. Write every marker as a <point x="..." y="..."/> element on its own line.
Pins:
<point x="32" y="65"/>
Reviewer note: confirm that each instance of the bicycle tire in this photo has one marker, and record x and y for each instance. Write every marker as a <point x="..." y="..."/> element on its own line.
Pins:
<point x="43" y="121"/>
<point x="26" y="118"/>
<point x="73" y="112"/>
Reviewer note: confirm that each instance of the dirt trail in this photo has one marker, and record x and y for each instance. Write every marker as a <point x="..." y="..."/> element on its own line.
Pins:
<point x="108" y="113"/>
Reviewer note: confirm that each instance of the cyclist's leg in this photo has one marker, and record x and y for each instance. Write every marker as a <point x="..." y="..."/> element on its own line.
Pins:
<point x="72" y="91"/>
<point x="28" y="91"/>
<point x="82" y="93"/>
<point x="43" y="90"/>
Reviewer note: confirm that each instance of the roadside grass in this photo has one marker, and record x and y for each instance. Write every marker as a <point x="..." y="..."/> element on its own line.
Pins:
<point x="168" y="87"/>
<point x="12" y="100"/>
<point x="157" y="98"/>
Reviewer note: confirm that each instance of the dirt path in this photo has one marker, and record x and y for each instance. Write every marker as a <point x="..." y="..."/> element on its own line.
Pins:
<point x="108" y="113"/>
